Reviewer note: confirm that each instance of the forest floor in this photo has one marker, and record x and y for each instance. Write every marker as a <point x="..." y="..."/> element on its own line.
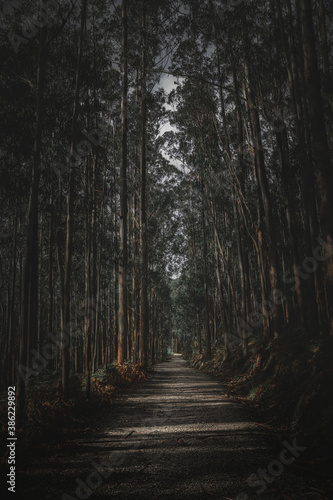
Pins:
<point x="176" y="435"/>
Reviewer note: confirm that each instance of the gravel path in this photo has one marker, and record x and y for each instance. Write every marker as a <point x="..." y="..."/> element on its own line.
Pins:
<point x="175" y="436"/>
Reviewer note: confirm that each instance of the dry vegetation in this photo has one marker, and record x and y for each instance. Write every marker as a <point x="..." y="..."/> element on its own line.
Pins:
<point x="49" y="418"/>
<point x="289" y="380"/>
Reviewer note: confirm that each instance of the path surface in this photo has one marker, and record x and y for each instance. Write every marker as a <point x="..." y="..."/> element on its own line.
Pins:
<point x="189" y="441"/>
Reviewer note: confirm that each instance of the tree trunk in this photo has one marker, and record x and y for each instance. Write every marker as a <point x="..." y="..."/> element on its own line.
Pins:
<point x="204" y="257"/>
<point x="276" y="320"/>
<point x="29" y="307"/>
<point x="123" y="313"/>
<point x="136" y="281"/>
<point x="282" y="146"/>
<point x="144" y="337"/>
<point x="324" y="175"/>
<point x="70" y="215"/>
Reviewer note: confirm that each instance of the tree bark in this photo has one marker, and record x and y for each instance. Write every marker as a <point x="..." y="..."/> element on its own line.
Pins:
<point x="123" y="313"/>
<point x="144" y="336"/>
<point x="65" y="352"/>
<point x="29" y="307"/>
<point x="322" y="159"/>
<point x="276" y="318"/>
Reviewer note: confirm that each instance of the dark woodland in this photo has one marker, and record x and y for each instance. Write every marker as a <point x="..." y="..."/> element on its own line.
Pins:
<point x="166" y="249"/>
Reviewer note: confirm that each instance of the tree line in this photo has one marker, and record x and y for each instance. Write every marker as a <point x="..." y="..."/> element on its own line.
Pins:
<point x="253" y="119"/>
<point x="88" y="211"/>
<point x="116" y="236"/>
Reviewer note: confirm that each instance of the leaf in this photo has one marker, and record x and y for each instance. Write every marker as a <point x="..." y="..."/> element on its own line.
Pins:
<point x="181" y="442"/>
<point x="212" y="494"/>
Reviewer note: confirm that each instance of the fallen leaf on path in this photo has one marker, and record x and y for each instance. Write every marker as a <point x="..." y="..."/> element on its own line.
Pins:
<point x="214" y="494"/>
<point x="181" y="442"/>
<point x="316" y="489"/>
<point x="266" y="426"/>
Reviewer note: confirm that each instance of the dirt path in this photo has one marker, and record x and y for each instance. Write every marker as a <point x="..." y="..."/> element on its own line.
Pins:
<point x="175" y="436"/>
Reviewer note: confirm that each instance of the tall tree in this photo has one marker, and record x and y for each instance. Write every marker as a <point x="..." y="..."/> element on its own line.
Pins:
<point x="322" y="155"/>
<point x="144" y="330"/>
<point x="123" y="279"/>
<point x="70" y="214"/>
<point x="29" y="309"/>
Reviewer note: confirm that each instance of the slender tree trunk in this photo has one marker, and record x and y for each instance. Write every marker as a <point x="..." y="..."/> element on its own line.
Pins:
<point x="29" y="307"/>
<point x="92" y="264"/>
<point x="324" y="173"/>
<point x="10" y="358"/>
<point x="65" y="354"/>
<point x="136" y="281"/>
<point x="144" y="337"/>
<point x="204" y="257"/>
<point x="282" y="146"/>
<point x="267" y="205"/>
<point x="50" y="271"/>
<point x="325" y="49"/>
<point x="290" y="46"/>
<point x="87" y="281"/>
<point x="123" y="313"/>
<point x="40" y="257"/>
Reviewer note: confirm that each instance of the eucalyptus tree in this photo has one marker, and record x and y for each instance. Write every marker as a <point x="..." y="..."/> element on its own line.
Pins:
<point x="123" y="279"/>
<point x="262" y="140"/>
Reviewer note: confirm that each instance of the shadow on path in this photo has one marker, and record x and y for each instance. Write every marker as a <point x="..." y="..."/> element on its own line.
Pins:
<point x="175" y="436"/>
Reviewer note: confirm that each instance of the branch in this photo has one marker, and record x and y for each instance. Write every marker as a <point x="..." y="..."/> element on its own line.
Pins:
<point x="195" y="77"/>
<point x="59" y="30"/>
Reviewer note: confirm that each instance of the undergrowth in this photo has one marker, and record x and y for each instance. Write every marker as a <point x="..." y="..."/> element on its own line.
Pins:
<point x="48" y="417"/>
<point x="289" y="379"/>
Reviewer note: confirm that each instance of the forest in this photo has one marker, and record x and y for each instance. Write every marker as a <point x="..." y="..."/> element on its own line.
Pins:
<point x="166" y="187"/>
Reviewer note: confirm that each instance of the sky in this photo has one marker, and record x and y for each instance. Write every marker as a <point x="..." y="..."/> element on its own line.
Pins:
<point x="167" y="82"/>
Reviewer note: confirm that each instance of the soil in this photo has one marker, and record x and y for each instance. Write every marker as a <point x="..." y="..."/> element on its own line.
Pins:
<point x="177" y="435"/>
